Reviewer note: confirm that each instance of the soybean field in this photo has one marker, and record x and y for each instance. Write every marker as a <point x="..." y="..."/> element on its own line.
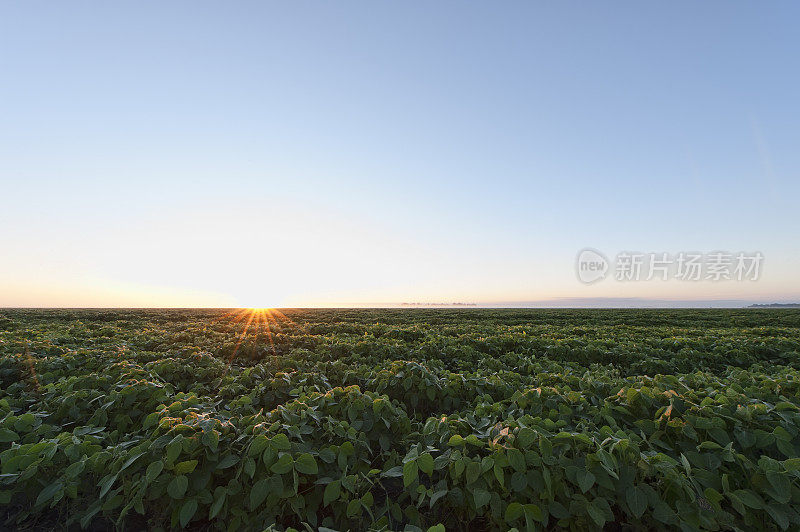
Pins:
<point x="400" y="419"/>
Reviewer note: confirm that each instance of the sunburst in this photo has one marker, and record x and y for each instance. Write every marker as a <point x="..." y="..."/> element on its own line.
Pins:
<point x="256" y="321"/>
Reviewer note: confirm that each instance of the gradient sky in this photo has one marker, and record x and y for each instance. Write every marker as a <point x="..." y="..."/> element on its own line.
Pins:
<point x="296" y="153"/>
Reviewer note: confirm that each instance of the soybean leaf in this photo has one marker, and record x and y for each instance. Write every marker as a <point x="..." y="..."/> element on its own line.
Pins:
<point x="187" y="511"/>
<point x="637" y="501"/>
<point x="259" y="492"/>
<point x="306" y="464"/>
<point x="177" y="487"/>
<point x="425" y="463"/>
<point x="332" y="492"/>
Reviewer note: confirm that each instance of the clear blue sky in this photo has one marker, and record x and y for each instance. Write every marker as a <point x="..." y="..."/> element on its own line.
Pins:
<point x="260" y="154"/>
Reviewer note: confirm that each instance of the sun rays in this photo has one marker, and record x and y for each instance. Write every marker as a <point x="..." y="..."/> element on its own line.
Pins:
<point x="257" y="322"/>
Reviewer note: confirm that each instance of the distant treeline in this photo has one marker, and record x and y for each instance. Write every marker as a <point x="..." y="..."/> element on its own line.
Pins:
<point x="776" y="305"/>
<point x="439" y="304"/>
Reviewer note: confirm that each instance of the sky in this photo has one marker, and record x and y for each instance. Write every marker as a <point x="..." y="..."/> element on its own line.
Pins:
<point x="267" y="154"/>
